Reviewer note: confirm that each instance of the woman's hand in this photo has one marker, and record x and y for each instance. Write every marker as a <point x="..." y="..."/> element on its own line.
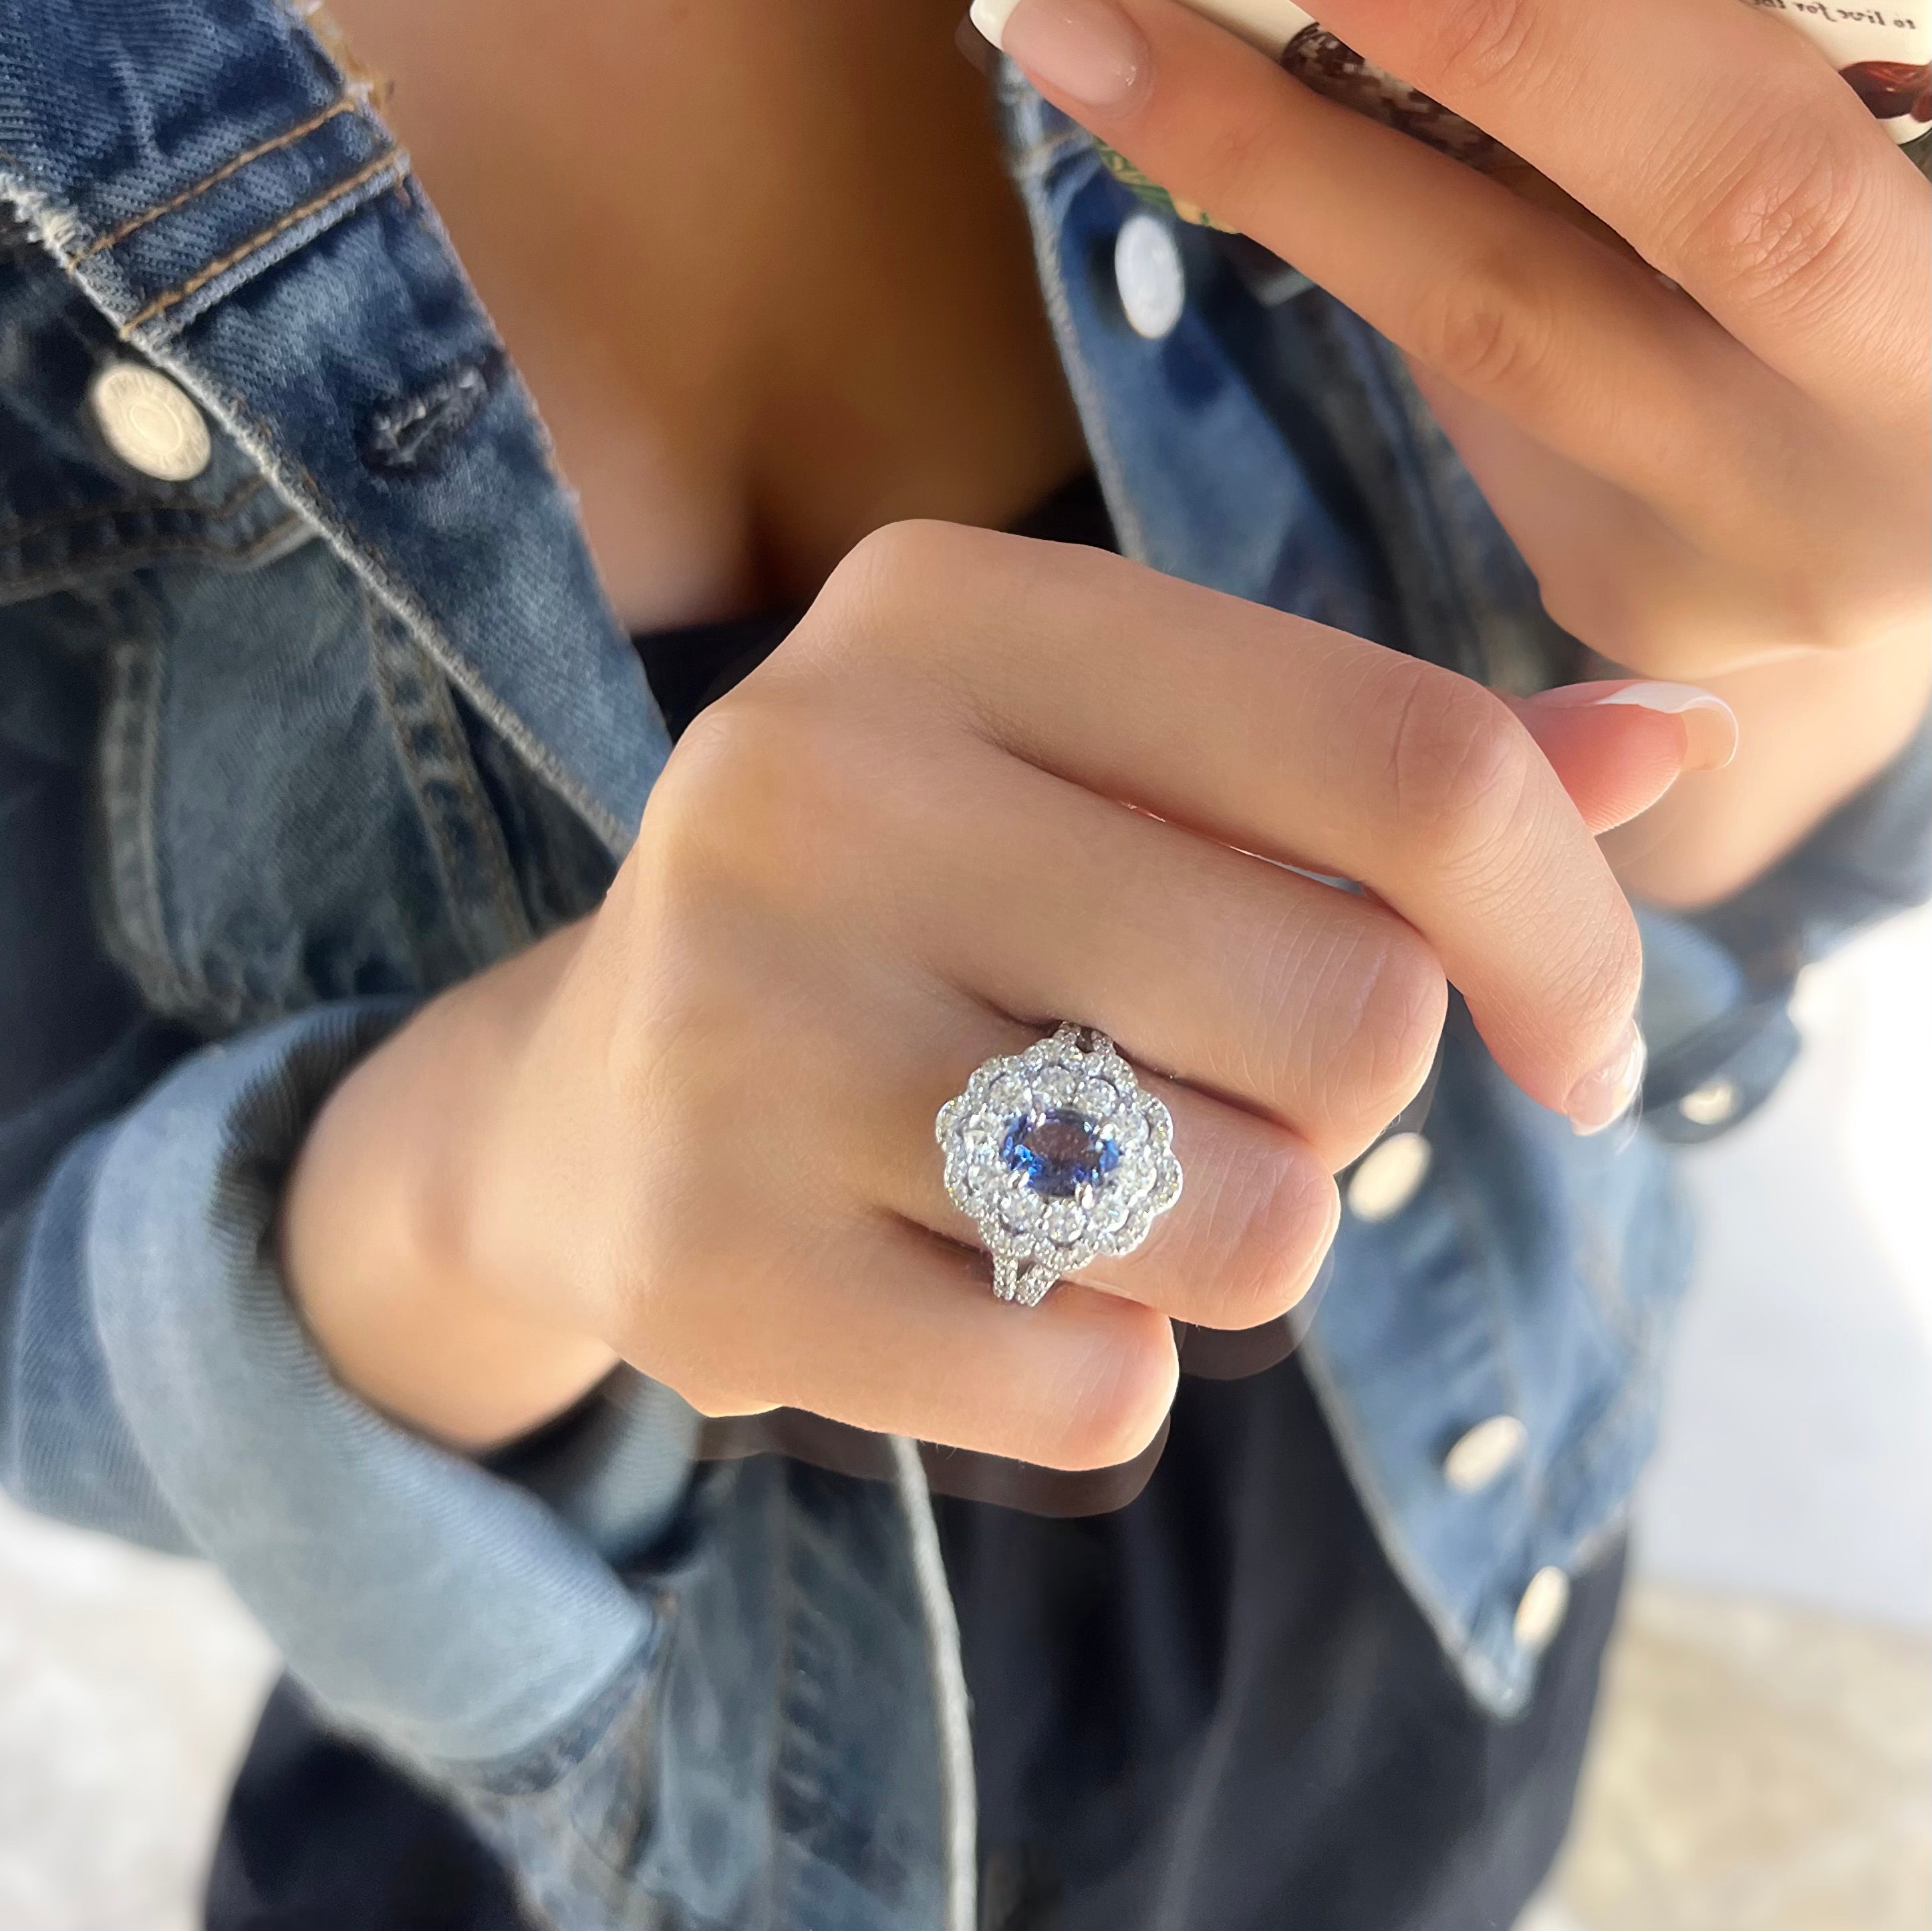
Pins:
<point x="1722" y="475"/>
<point x="987" y="784"/>
<point x="1701" y="475"/>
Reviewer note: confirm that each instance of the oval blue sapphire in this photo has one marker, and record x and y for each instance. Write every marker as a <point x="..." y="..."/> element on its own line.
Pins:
<point x="1059" y="1152"/>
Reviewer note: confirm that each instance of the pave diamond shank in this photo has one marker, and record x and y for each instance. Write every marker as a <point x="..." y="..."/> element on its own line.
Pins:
<point x="1059" y="1157"/>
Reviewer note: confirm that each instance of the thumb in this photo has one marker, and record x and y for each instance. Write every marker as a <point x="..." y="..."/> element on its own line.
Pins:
<point x="1619" y="747"/>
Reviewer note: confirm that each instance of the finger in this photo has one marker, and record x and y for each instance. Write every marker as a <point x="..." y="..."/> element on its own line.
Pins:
<point x="1274" y="992"/>
<point x="1242" y="1244"/>
<point x="1618" y="747"/>
<point x="1718" y="141"/>
<point x="1508" y="302"/>
<point x="887" y="1326"/>
<point x="1282" y="738"/>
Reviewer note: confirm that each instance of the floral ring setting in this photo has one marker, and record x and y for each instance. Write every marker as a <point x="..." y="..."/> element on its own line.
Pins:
<point x="1059" y="1157"/>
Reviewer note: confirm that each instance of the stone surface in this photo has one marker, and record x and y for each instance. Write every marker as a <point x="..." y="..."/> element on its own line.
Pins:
<point x="129" y="1684"/>
<point x="1756" y="1768"/>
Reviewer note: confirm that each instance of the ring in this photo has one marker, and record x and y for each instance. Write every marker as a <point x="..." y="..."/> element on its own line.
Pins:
<point x="1058" y="1156"/>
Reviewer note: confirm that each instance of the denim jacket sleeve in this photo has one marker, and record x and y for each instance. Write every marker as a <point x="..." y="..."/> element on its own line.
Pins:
<point x="1719" y="982"/>
<point x="318" y="1511"/>
<point x="155" y="1382"/>
<point x="648" y="1745"/>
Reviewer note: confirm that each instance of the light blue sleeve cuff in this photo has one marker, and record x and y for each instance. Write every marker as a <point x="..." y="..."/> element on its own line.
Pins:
<point x="449" y="1613"/>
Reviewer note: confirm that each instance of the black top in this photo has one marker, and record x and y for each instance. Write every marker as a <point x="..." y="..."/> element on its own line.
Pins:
<point x="696" y="664"/>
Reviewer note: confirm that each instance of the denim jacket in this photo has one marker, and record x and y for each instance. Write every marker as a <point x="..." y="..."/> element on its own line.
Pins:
<point x="288" y="745"/>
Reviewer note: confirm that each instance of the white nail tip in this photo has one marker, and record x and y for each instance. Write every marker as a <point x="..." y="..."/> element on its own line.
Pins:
<point x="1674" y="698"/>
<point x="991" y="17"/>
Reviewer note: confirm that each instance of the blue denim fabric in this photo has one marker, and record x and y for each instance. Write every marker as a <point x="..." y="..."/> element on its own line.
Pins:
<point x="287" y="747"/>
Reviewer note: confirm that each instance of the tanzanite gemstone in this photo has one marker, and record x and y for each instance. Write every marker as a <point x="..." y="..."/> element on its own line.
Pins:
<point x="1059" y="1152"/>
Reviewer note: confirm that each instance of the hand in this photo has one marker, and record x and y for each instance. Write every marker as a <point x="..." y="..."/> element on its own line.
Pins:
<point x="988" y="783"/>
<point x="1703" y="476"/>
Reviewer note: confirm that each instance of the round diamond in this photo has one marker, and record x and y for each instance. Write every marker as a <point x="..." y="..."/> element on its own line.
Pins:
<point x="1020" y="1208"/>
<point x="1099" y="1099"/>
<point x="1054" y="1086"/>
<point x="1064" y="1222"/>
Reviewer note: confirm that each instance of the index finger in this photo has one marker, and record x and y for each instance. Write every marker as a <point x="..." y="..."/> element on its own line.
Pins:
<point x="1716" y="141"/>
<point x="1283" y="738"/>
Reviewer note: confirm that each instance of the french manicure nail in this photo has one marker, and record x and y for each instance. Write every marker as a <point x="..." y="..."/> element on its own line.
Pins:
<point x="1601" y="1099"/>
<point x="1087" y="50"/>
<point x="990" y="17"/>
<point x="1710" y="724"/>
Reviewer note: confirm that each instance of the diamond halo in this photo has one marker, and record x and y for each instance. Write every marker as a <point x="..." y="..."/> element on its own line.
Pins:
<point x="1058" y="1156"/>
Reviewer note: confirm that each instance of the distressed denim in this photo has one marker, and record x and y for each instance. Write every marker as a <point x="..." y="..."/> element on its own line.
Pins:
<point x="285" y="748"/>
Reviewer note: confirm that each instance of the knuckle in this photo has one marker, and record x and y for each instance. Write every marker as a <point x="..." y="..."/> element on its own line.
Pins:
<point x="767" y="787"/>
<point x="711" y="762"/>
<point x="1120" y="1407"/>
<point x="1488" y="328"/>
<point x="874" y="585"/>
<point x="1473" y="43"/>
<point x="1460" y="772"/>
<point x="1787" y="211"/>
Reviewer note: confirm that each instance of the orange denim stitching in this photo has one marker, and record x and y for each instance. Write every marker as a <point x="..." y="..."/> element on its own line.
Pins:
<point x="342" y="106"/>
<point x="388" y="158"/>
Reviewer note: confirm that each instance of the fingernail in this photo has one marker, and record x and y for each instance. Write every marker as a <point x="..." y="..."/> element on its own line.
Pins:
<point x="1710" y="724"/>
<point x="1601" y="1099"/>
<point x="1087" y="50"/>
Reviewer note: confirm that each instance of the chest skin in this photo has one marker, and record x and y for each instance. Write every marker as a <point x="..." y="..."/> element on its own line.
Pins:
<point x="758" y="260"/>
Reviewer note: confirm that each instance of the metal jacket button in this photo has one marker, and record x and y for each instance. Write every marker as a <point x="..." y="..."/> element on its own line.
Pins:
<point x="1540" y="1614"/>
<point x="1147" y="272"/>
<point x="1387" y="1180"/>
<point x="1711" y="1104"/>
<point x="149" y="422"/>
<point x="1481" y="1455"/>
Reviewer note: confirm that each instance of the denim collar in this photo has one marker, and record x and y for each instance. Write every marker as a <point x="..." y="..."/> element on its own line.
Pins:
<point x="194" y="165"/>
